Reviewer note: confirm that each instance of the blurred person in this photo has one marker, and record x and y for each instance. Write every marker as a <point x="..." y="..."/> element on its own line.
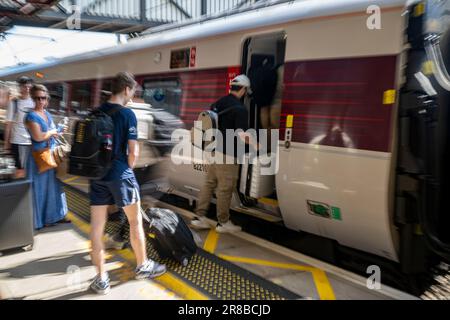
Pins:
<point x="49" y="201"/>
<point x="5" y="95"/>
<point x="120" y="187"/>
<point x="17" y="139"/>
<point x="270" y="114"/>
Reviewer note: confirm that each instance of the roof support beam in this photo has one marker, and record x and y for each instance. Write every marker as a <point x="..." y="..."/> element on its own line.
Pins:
<point x="180" y="8"/>
<point x="143" y="8"/>
<point x="204" y="7"/>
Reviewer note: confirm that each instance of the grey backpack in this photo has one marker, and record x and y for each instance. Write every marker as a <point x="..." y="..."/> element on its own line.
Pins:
<point x="208" y="119"/>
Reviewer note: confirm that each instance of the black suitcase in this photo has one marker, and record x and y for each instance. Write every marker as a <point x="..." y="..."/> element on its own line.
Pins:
<point x="172" y="238"/>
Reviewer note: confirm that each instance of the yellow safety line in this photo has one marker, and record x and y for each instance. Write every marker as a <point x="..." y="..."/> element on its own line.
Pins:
<point x="323" y="286"/>
<point x="210" y="244"/>
<point x="267" y="263"/>
<point x="80" y="184"/>
<point x="271" y="202"/>
<point x="86" y="228"/>
<point x="71" y="179"/>
<point x="168" y="280"/>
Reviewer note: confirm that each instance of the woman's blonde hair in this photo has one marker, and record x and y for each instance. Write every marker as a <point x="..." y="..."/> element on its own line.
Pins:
<point x="38" y="87"/>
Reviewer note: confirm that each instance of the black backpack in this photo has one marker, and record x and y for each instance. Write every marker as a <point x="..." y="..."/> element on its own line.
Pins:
<point x="92" y="147"/>
<point x="171" y="237"/>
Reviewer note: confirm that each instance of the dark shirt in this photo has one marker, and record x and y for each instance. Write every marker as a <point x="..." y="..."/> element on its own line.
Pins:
<point x="235" y="118"/>
<point x="125" y="128"/>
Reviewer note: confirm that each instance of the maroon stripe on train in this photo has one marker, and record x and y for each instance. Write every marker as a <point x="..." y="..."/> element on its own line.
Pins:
<point x="200" y="89"/>
<point x="339" y="102"/>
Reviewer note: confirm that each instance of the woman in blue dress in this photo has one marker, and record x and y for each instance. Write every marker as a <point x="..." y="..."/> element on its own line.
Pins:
<point x="49" y="201"/>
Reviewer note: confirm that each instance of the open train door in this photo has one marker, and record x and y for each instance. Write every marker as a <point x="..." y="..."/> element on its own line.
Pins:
<point x="263" y="62"/>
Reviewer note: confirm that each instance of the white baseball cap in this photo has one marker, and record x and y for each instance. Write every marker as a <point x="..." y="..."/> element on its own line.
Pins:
<point x="242" y="81"/>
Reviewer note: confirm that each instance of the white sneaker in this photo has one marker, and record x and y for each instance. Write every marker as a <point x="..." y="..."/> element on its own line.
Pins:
<point x="228" y="227"/>
<point x="200" y="223"/>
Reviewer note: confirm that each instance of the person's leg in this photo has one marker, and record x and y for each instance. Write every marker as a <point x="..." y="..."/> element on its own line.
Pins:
<point x="275" y="112"/>
<point x="265" y="117"/>
<point x="100" y="199"/>
<point x="126" y="195"/>
<point x="24" y="153"/>
<point x="100" y="284"/>
<point x="206" y="191"/>
<point x="15" y="151"/>
<point x="117" y="240"/>
<point x="227" y="176"/>
<point x="137" y="236"/>
<point x="98" y="221"/>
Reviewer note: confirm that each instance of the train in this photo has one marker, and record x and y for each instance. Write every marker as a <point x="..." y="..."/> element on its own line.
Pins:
<point x="363" y="130"/>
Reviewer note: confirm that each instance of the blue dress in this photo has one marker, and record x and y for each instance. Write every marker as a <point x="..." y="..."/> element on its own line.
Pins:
<point x="49" y="201"/>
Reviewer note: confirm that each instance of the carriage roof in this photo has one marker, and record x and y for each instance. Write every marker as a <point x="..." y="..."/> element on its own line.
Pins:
<point x="274" y="15"/>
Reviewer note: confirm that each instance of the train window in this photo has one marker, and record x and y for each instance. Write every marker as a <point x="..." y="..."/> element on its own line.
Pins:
<point x="58" y="93"/>
<point x="163" y="94"/>
<point x="81" y="97"/>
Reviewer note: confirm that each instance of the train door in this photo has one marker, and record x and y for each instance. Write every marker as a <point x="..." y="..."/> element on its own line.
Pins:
<point x="263" y="62"/>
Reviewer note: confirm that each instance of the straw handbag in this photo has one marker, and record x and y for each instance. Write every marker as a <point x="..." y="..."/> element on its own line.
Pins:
<point x="62" y="150"/>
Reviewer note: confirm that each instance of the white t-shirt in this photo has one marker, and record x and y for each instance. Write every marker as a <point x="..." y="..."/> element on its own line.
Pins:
<point x="19" y="134"/>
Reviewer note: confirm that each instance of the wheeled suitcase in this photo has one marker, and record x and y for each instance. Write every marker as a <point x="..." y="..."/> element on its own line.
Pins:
<point x="254" y="182"/>
<point x="171" y="237"/>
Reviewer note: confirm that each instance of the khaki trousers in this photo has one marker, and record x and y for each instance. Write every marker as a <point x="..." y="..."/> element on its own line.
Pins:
<point x="222" y="178"/>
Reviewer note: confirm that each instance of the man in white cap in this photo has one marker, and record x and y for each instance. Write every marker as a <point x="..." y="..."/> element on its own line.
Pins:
<point x="223" y="176"/>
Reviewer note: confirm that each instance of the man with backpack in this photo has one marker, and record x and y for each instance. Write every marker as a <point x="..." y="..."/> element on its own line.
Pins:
<point x="232" y="114"/>
<point x="119" y="187"/>
<point x="17" y="138"/>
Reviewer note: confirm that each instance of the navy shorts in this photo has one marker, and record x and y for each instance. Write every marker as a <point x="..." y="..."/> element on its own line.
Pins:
<point x="122" y="193"/>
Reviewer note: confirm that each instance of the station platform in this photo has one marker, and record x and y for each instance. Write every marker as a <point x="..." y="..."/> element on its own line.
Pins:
<point x="226" y="267"/>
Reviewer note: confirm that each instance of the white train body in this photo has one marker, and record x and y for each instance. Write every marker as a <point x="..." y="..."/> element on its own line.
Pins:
<point x="336" y="174"/>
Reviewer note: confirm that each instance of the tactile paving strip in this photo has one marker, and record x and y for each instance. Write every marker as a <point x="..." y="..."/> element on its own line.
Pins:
<point x="215" y="277"/>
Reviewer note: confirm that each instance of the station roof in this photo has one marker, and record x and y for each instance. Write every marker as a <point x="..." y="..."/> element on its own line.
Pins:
<point x="122" y="17"/>
<point x="117" y="16"/>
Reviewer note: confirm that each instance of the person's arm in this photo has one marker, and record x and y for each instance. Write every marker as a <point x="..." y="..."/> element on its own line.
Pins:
<point x="133" y="153"/>
<point x="133" y="145"/>
<point x="8" y="126"/>
<point x="7" y="137"/>
<point x="37" y="134"/>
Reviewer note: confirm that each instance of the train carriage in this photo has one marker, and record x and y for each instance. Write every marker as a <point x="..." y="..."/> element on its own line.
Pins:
<point x="350" y="89"/>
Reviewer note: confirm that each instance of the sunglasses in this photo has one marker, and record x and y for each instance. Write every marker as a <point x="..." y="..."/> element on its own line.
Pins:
<point x="40" y="98"/>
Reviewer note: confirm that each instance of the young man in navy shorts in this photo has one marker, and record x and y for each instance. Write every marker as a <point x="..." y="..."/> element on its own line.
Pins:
<point x="120" y="187"/>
